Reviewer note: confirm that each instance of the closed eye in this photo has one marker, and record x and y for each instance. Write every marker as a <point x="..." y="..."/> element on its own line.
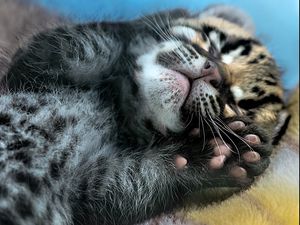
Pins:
<point x="184" y="32"/>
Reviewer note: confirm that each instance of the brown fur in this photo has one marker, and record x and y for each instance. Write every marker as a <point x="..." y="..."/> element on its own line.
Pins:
<point x="246" y="75"/>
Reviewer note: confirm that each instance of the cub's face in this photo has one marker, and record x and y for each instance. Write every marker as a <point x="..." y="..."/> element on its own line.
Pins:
<point x="178" y="76"/>
<point x="195" y="69"/>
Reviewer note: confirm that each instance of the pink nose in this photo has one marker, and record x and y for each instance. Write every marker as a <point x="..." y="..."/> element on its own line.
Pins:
<point x="210" y="74"/>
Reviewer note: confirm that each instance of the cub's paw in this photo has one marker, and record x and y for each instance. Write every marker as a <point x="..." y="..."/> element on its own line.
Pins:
<point x="240" y="152"/>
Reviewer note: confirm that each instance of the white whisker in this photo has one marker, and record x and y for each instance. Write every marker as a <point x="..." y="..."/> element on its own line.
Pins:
<point x="189" y="121"/>
<point x="203" y="131"/>
<point x="212" y="132"/>
<point x="217" y="129"/>
<point x="226" y="127"/>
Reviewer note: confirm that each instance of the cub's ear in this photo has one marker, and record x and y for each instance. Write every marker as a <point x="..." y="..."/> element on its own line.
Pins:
<point x="281" y="126"/>
<point x="231" y="14"/>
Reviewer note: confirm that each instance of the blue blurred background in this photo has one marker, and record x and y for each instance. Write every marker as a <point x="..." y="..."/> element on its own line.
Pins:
<point x="277" y="22"/>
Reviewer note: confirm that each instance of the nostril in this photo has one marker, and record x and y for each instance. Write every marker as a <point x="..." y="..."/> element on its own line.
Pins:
<point x="207" y="65"/>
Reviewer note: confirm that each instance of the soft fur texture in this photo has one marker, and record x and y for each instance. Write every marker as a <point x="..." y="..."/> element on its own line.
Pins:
<point x="57" y="117"/>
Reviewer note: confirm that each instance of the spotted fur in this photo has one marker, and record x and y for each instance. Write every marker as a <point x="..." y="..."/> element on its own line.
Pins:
<point x="94" y="115"/>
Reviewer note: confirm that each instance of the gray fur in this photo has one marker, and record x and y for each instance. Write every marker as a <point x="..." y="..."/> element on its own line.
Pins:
<point x="61" y="128"/>
<point x="85" y="156"/>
